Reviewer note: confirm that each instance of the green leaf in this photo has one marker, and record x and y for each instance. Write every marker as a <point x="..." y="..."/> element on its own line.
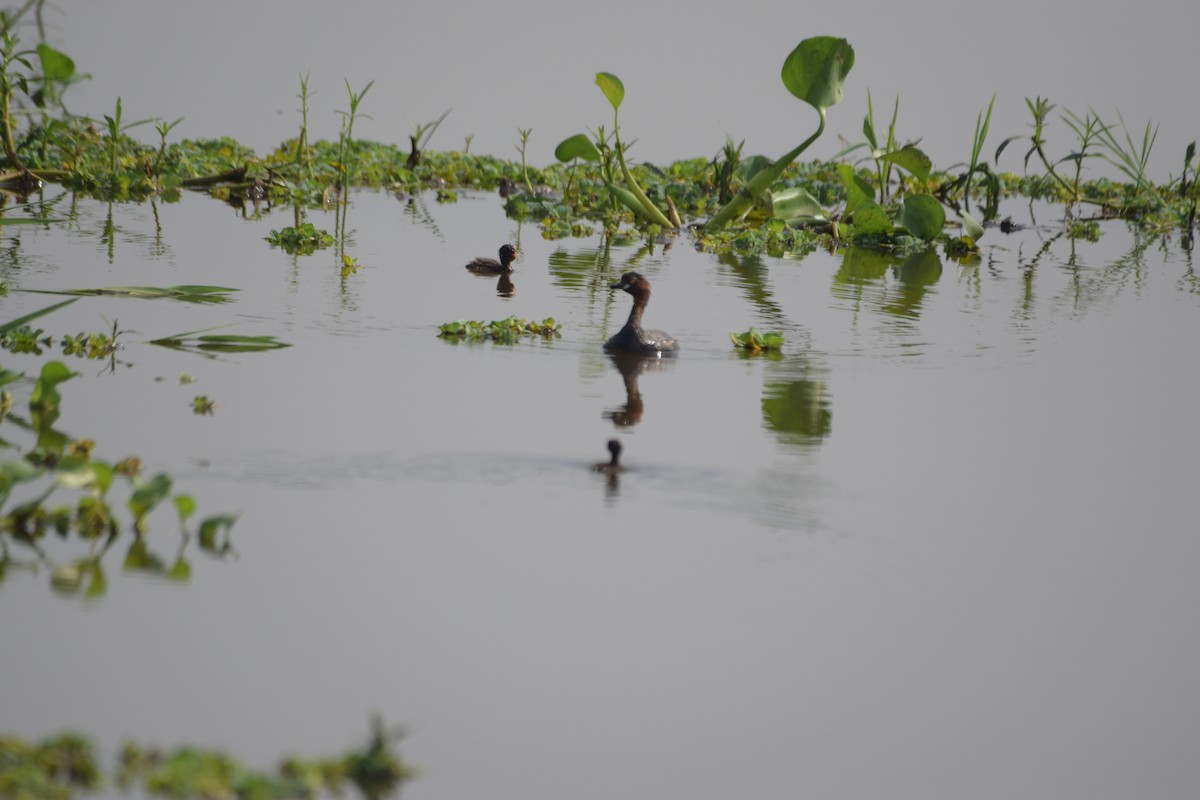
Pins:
<point x="577" y="146"/>
<point x="795" y="203"/>
<point x="870" y="219"/>
<point x="816" y="70"/>
<point x="149" y="494"/>
<point x="612" y="87"/>
<point x="185" y="504"/>
<point x="922" y="216"/>
<point x="56" y="65"/>
<point x="858" y="190"/>
<point x="16" y="323"/>
<point x="910" y="158"/>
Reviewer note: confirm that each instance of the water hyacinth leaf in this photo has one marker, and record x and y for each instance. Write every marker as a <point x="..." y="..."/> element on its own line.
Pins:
<point x="922" y="216"/>
<point x="857" y="189"/>
<point x="45" y="394"/>
<point x="209" y="529"/>
<point x="185" y="504"/>
<point x="971" y="228"/>
<point x="816" y="70"/>
<point x="747" y="168"/>
<point x="147" y="495"/>
<point x="796" y="204"/>
<point x="577" y="146"/>
<point x="912" y="159"/>
<point x="14" y="472"/>
<point x="612" y="87"/>
<point x="870" y="219"/>
<point x="56" y="65"/>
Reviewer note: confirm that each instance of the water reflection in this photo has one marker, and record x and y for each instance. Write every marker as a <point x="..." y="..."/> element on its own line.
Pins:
<point x="631" y="366"/>
<point x="797" y="408"/>
<point x="751" y="276"/>
<point x="861" y="278"/>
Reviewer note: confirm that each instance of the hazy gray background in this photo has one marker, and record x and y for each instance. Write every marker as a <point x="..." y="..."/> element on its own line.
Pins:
<point x="692" y="73"/>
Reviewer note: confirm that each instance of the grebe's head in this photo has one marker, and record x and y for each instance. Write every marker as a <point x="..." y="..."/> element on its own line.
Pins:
<point x="632" y="282"/>
<point x="507" y="254"/>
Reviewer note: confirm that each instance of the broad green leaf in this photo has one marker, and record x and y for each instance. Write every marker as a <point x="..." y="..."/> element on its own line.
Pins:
<point x="612" y="87"/>
<point x="577" y="146"/>
<point x="870" y="219"/>
<point x="45" y="395"/>
<point x="912" y="159"/>
<point x="180" y="571"/>
<point x="185" y="504"/>
<point x="56" y="65"/>
<point x="922" y="216"/>
<point x="923" y="268"/>
<point x="149" y="494"/>
<point x="750" y="166"/>
<point x="857" y="190"/>
<point x="795" y="203"/>
<point x="816" y="70"/>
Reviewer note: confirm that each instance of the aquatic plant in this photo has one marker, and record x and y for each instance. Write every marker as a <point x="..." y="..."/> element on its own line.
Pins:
<point x="524" y="134"/>
<point x="814" y="72"/>
<point x="56" y="462"/>
<point x="61" y="766"/>
<point x="504" y="331"/>
<point x="304" y="239"/>
<point x="754" y="342"/>
<point x="420" y="138"/>
<point x="187" y="293"/>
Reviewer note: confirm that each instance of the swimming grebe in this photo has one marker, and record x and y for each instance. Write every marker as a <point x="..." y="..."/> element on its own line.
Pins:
<point x="633" y="338"/>
<point x="613" y="465"/>
<point x="490" y="266"/>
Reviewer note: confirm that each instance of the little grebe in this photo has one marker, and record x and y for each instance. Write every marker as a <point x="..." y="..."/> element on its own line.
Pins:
<point x="613" y="465"/>
<point x="490" y="266"/>
<point x="633" y="338"/>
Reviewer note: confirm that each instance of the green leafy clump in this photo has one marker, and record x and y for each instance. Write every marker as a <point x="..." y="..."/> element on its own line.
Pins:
<point x="302" y="240"/>
<point x="504" y="331"/>
<point x="56" y="463"/>
<point x="64" y="766"/>
<point x="754" y="342"/>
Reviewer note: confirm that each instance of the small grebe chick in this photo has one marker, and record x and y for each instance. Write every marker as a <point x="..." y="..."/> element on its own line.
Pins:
<point x="613" y="465"/>
<point x="633" y="338"/>
<point x="490" y="266"/>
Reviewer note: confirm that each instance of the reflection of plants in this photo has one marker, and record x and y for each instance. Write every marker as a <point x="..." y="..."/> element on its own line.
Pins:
<point x="198" y="341"/>
<point x="798" y="409"/>
<point x="504" y="331"/>
<point x="56" y="463"/>
<point x="754" y="342"/>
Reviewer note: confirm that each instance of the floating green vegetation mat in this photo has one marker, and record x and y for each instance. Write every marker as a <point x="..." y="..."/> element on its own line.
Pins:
<point x="891" y="194"/>
<point x="65" y="766"/>
<point x="504" y="331"/>
<point x="754" y="342"/>
<point x="304" y="239"/>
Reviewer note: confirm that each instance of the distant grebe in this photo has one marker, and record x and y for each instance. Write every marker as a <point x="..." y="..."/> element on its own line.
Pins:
<point x="490" y="266"/>
<point x="633" y="338"/>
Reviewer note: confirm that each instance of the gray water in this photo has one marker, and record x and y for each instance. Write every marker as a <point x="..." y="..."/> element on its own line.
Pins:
<point x="943" y="547"/>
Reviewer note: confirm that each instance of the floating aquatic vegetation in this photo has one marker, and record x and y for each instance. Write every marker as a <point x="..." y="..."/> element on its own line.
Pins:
<point x="754" y="342"/>
<point x="190" y="294"/>
<point x="504" y="331"/>
<point x="303" y="239"/>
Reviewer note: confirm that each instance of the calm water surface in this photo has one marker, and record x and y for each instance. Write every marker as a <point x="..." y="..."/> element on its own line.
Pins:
<point x="944" y="546"/>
